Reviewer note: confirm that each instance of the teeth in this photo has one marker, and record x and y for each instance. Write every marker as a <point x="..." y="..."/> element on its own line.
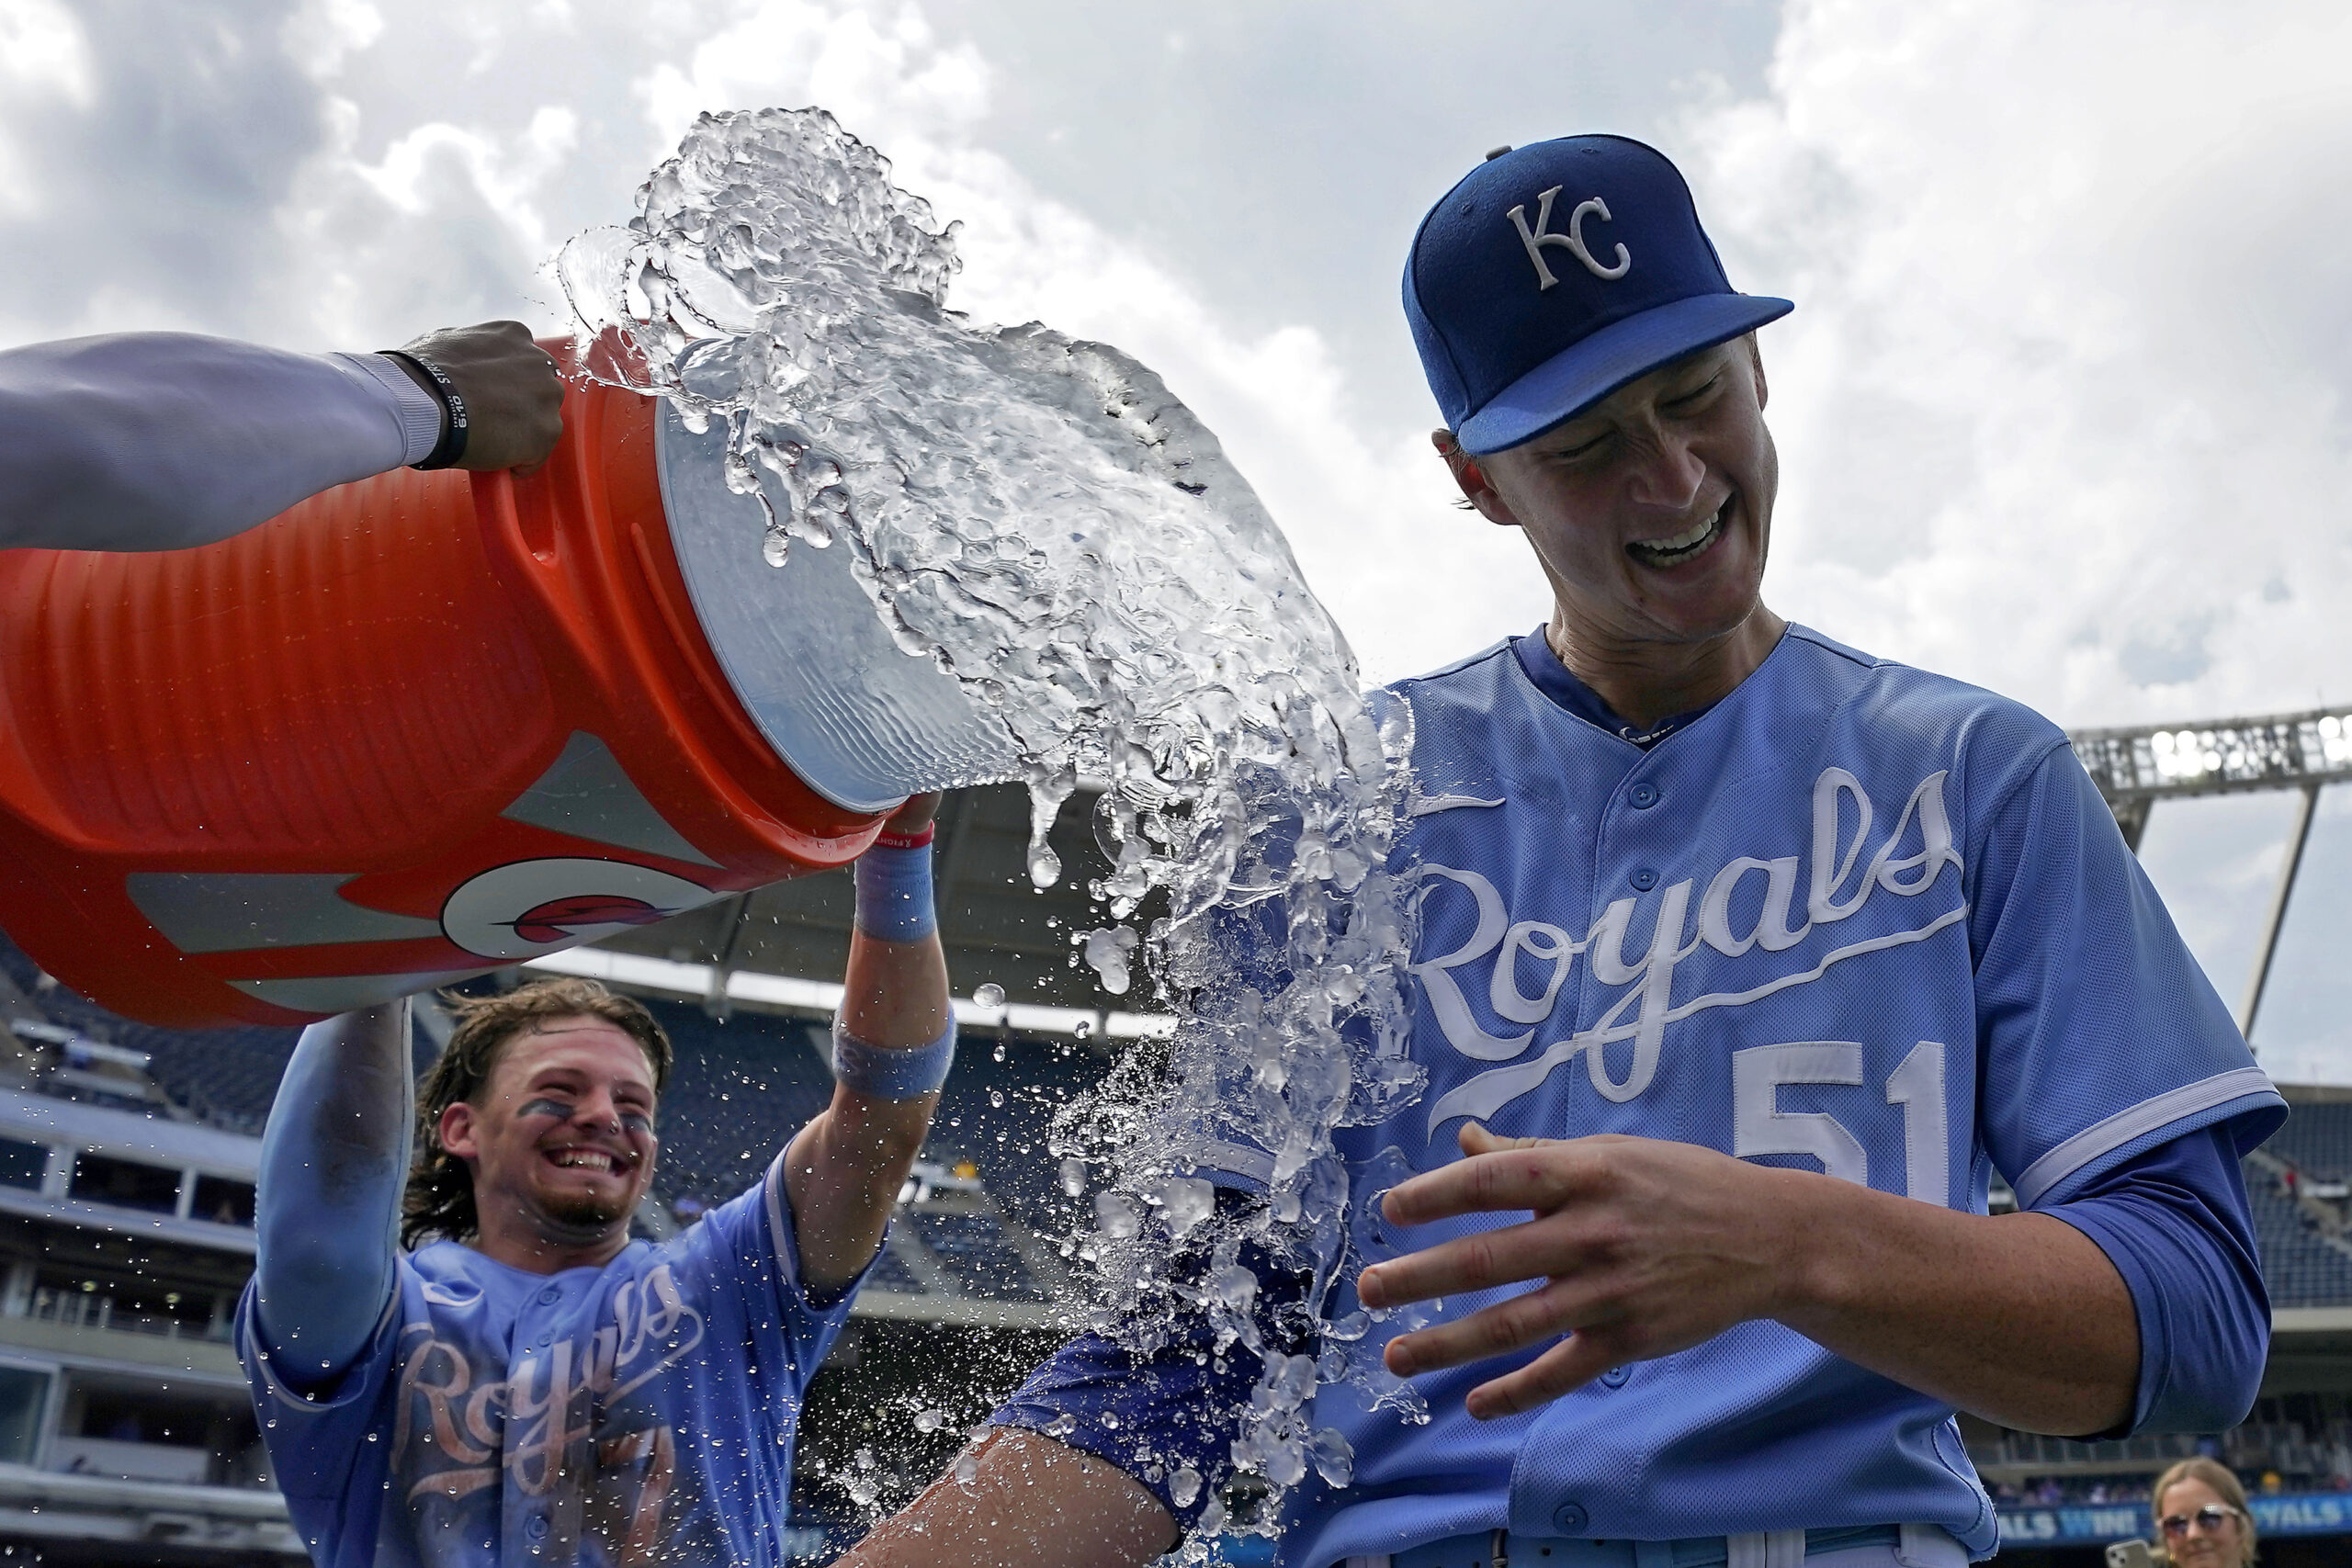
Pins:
<point x="593" y="1159"/>
<point x="1686" y="543"/>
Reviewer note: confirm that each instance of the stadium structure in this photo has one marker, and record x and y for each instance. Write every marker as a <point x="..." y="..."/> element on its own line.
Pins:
<point x="128" y="1154"/>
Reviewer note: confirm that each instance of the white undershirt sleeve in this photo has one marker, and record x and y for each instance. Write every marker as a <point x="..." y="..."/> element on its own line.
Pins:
<point x="160" y="441"/>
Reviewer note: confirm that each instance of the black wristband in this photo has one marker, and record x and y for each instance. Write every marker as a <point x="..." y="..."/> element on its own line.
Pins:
<point x="452" y="445"/>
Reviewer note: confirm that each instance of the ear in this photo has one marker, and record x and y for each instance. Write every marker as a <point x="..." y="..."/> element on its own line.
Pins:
<point x="1471" y="479"/>
<point x="1755" y="362"/>
<point x="460" y="1131"/>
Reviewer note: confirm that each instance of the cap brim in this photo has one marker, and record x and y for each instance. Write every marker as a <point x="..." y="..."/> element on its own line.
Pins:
<point x="1575" y="379"/>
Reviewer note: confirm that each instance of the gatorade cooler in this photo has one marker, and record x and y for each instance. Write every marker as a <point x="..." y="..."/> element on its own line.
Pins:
<point x="432" y="724"/>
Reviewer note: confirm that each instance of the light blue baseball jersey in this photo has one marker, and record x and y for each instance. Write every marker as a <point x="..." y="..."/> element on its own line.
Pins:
<point x="1855" y="919"/>
<point x="640" y="1413"/>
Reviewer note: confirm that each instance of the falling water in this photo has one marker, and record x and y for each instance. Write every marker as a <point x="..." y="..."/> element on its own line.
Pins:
<point x="1041" y="517"/>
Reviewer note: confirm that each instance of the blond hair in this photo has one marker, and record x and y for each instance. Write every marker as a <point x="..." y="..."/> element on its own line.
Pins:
<point x="2223" y="1481"/>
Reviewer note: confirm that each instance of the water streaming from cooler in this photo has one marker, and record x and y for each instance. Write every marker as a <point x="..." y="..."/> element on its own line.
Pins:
<point x="1045" y="520"/>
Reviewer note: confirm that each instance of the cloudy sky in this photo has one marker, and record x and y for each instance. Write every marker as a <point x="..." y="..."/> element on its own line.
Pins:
<point x="2062" y="408"/>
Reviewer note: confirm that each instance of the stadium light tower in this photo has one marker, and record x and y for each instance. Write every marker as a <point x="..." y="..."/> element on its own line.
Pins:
<point x="2135" y="768"/>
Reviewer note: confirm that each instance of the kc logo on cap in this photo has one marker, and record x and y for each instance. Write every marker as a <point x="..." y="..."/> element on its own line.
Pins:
<point x="1572" y="242"/>
<point x="1508" y="361"/>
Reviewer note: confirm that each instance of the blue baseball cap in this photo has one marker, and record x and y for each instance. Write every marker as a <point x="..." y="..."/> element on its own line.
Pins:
<point x="1553" y="274"/>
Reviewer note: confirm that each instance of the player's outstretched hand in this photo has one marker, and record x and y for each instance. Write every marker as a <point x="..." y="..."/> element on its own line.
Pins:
<point x="512" y="388"/>
<point x="915" y="815"/>
<point x="1649" y="1247"/>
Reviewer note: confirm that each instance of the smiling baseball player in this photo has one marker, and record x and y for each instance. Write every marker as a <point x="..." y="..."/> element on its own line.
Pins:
<point x="530" y="1384"/>
<point x="1746" y="961"/>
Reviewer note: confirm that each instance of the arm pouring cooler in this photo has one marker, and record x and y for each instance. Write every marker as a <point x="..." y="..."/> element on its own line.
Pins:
<point x="431" y="724"/>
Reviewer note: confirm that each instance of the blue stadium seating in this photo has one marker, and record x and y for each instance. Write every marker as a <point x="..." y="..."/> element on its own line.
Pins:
<point x="974" y="1247"/>
<point x="2317" y="1140"/>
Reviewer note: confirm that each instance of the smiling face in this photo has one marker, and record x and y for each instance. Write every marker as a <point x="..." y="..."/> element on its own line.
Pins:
<point x="560" y="1139"/>
<point x="2197" y="1544"/>
<point x="1651" y="510"/>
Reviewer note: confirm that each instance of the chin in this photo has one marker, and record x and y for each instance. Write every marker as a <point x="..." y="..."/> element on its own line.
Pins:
<point x="588" y="1210"/>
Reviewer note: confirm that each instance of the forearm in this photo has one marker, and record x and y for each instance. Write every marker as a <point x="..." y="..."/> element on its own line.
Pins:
<point x="2018" y="1318"/>
<point x="848" y="1163"/>
<point x="334" y="1159"/>
<point x="846" y="1167"/>
<point x="155" y="441"/>
<point x="1031" y="1503"/>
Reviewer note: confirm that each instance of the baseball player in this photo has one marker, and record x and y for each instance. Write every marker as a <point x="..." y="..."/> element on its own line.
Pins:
<point x="160" y="441"/>
<point x="1747" y="960"/>
<point x="530" y="1385"/>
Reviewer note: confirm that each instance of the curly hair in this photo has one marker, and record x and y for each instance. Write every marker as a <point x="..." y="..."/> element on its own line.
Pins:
<point x="440" y="1196"/>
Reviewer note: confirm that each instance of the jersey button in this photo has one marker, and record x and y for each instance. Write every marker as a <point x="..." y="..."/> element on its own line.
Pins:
<point x="1644" y="879"/>
<point x="549" y="1296"/>
<point x="1644" y="795"/>
<point x="538" y="1527"/>
<point x="1570" y="1519"/>
<point x="1615" y="1376"/>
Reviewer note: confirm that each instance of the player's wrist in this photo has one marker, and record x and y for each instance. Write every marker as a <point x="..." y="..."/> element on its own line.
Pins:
<point x="1811" y="1274"/>
<point x="894" y="891"/>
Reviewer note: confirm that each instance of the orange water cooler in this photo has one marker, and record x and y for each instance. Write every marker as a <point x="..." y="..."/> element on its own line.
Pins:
<point x="432" y="724"/>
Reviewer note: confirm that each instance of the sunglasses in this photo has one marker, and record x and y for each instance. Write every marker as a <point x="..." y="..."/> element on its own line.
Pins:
<point x="2208" y="1519"/>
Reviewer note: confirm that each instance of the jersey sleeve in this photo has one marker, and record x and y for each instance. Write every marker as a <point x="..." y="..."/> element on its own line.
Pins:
<point x="754" y="1239"/>
<point x="1168" y="1418"/>
<point x="160" y="441"/>
<point x="2176" y="1223"/>
<point x="2099" y="1035"/>
<point x="335" y="1160"/>
<point x="314" y="1437"/>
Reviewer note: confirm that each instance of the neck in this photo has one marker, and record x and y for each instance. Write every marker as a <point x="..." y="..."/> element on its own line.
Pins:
<point x="1645" y="682"/>
<point x="538" y="1245"/>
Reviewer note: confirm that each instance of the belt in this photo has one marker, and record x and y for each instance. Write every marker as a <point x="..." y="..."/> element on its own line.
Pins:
<point x="1695" y="1551"/>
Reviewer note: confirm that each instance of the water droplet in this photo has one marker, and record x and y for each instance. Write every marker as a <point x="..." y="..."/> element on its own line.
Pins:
<point x="1334" y="1457"/>
<point x="991" y="995"/>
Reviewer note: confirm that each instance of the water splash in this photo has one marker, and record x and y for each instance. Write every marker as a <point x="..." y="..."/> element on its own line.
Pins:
<point x="1045" y="520"/>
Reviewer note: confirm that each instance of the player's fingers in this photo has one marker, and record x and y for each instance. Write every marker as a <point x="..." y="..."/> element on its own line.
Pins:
<point x="1541" y="1177"/>
<point x="1477" y="1139"/>
<point x="1569" y="1365"/>
<point x="1514" y="1324"/>
<point x="1534" y="1250"/>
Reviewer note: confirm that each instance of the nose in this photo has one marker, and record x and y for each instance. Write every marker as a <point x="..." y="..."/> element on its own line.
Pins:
<point x="1665" y="472"/>
<point x="597" y="1112"/>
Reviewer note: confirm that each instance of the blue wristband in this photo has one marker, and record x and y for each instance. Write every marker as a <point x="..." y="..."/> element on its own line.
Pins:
<point x="894" y="893"/>
<point x="903" y="1073"/>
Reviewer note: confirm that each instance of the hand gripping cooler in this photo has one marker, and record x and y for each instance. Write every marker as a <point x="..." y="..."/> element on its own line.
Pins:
<point x="432" y="724"/>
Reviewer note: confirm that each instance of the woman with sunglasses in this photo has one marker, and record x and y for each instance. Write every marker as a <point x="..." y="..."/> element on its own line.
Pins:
<point x="2201" y="1517"/>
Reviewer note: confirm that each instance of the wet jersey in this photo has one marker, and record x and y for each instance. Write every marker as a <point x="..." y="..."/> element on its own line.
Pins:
<point x="1854" y="918"/>
<point x="640" y="1413"/>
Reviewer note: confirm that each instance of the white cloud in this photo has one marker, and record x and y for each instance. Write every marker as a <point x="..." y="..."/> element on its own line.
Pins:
<point x="43" y="57"/>
<point x="2062" y="409"/>
<point x="323" y="33"/>
<point x="882" y="71"/>
<point x="1366" y="510"/>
